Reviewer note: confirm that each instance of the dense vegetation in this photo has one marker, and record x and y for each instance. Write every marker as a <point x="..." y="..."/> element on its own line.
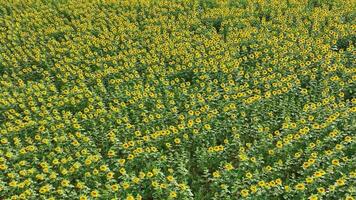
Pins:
<point x="181" y="99"/>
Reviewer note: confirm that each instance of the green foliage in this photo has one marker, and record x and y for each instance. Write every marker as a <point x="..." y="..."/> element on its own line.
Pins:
<point x="160" y="99"/>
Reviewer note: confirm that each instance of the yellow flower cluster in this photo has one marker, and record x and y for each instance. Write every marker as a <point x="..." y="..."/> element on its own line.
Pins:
<point x="177" y="99"/>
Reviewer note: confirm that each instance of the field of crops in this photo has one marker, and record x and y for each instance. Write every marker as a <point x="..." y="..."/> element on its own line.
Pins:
<point x="177" y="99"/>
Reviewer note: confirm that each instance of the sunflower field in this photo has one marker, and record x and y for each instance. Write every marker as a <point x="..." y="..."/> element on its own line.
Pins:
<point x="177" y="99"/>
